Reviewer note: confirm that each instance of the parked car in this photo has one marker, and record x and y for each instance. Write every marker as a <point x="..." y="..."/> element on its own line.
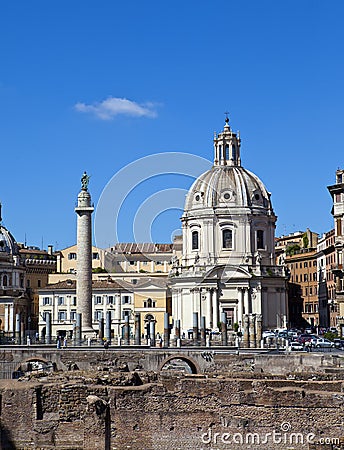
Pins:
<point x="338" y="343"/>
<point x="296" y="347"/>
<point x="292" y="334"/>
<point x="305" y="337"/>
<point x="322" y="343"/>
<point x="268" y="334"/>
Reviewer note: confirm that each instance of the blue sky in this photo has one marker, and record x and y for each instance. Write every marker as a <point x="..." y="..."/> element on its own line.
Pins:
<point x="94" y="86"/>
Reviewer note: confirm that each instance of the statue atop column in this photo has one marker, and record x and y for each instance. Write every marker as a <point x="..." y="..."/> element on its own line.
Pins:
<point x="85" y="179"/>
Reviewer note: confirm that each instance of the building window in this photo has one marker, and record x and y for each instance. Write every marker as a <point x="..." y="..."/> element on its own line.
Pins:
<point x="125" y="313"/>
<point x="338" y="198"/>
<point x="227" y="239"/>
<point x="98" y="300"/>
<point x="46" y="301"/>
<point x="98" y="315"/>
<point x="339" y="227"/>
<point x="45" y="315"/>
<point x="131" y="263"/>
<point x="126" y="300"/>
<point x="300" y="277"/>
<point x="73" y="301"/>
<point x="95" y="255"/>
<point x="62" y="315"/>
<point x="305" y="264"/>
<point x="149" y="303"/>
<point x="227" y="152"/>
<point x="39" y="283"/>
<point x="60" y="301"/>
<point x="73" y="315"/>
<point x="71" y="255"/>
<point x="260" y="239"/>
<point x="296" y="279"/>
<point x="305" y="277"/>
<point x="4" y="280"/>
<point x="195" y="242"/>
<point x="110" y="299"/>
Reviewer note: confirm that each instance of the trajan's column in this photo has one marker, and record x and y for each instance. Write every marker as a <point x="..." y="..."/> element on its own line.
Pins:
<point x="84" y="212"/>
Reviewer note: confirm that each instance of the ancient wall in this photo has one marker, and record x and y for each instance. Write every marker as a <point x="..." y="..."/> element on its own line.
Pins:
<point x="113" y="409"/>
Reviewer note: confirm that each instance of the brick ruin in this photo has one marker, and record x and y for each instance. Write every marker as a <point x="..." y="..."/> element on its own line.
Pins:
<point x="246" y="401"/>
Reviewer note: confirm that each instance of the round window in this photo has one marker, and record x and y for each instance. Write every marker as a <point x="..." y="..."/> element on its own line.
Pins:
<point x="227" y="196"/>
<point x="197" y="198"/>
<point x="256" y="196"/>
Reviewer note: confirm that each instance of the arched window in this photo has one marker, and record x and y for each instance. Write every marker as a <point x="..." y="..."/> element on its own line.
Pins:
<point x="195" y="242"/>
<point x="260" y="239"/>
<point x="227" y="152"/>
<point x="4" y="280"/>
<point x="227" y="238"/>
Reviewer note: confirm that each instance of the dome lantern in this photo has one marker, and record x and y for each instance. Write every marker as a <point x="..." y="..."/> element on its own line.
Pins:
<point x="227" y="147"/>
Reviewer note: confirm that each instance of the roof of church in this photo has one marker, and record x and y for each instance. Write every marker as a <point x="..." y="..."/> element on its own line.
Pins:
<point x="227" y="184"/>
<point x="7" y="242"/>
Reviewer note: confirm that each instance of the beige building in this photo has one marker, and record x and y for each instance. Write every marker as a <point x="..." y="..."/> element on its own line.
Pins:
<point x="152" y="299"/>
<point x="337" y="193"/>
<point x="302" y="266"/>
<point x="38" y="265"/>
<point x="139" y="258"/>
<point x="294" y="242"/>
<point x="60" y="300"/>
<point x="67" y="259"/>
<point x="123" y="295"/>
<point x="326" y="257"/>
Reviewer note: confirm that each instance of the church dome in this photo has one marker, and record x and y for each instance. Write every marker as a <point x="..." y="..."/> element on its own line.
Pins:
<point x="227" y="184"/>
<point x="227" y="187"/>
<point x="7" y="242"/>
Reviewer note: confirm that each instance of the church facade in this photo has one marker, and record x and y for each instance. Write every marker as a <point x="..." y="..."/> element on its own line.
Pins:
<point x="228" y="258"/>
<point x="14" y="302"/>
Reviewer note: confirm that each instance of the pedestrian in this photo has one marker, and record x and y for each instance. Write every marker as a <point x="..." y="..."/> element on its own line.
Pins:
<point x="58" y="342"/>
<point x="65" y="342"/>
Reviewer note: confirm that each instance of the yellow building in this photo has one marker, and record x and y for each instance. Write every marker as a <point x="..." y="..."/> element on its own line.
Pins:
<point x="67" y="259"/>
<point x="152" y="299"/>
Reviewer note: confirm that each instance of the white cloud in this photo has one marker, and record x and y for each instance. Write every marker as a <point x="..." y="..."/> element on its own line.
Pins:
<point x="112" y="107"/>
